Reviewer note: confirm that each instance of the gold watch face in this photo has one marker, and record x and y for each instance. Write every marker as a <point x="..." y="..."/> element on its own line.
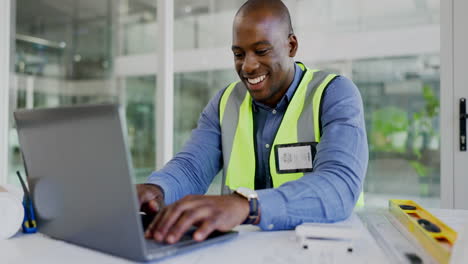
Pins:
<point x="247" y="193"/>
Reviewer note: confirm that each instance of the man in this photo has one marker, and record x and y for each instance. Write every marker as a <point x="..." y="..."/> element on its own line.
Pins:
<point x="260" y="130"/>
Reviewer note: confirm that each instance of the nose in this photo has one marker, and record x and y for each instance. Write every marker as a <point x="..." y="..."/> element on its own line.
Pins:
<point x="250" y="64"/>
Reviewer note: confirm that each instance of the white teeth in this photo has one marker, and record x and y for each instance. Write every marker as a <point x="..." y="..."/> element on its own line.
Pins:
<point x="256" y="80"/>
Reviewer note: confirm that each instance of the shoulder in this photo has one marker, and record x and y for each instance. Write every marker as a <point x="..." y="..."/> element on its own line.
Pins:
<point x="342" y="102"/>
<point x="341" y="88"/>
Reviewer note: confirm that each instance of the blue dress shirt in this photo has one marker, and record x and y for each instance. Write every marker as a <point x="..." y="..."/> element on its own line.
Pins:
<point x="327" y="194"/>
<point x="266" y="120"/>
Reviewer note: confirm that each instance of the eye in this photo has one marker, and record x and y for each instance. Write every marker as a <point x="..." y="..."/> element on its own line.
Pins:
<point x="238" y="54"/>
<point x="261" y="52"/>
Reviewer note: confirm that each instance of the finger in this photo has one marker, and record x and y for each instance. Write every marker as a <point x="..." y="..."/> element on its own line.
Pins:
<point x="150" y="231"/>
<point x="148" y="192"/>
<point x="187" y="220"/>
<point x="153" y="205"/>
<point x="173" y="213"/>
<point x="146" y="196"/>
<point x="153" y="228"/>
<point x="150" y="208"/>
<point x="205" y="230"/>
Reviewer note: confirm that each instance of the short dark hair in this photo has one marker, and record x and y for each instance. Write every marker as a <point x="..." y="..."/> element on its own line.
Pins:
<point x="277" y="7"/>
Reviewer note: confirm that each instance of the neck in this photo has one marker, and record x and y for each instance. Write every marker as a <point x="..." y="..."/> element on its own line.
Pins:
<point x="272" y="102"/>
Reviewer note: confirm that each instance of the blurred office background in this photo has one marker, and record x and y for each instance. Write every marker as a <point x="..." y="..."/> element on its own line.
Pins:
<point x="84" y="52"/>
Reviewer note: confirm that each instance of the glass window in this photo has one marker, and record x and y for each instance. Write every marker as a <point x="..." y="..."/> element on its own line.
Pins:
<point x="204" y="24"/>
<point x="361" y="15"/>
<point x="401" y="98"/>
<point x="64" y="55"/>
<point x="140" y="112"/>
<point x="192" y="92"/>
<point x="137" y="33"/>
<point x="137" y="25"/>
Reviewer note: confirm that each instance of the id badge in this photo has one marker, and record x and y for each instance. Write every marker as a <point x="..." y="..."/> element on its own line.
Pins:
<point x="297" y="157"/>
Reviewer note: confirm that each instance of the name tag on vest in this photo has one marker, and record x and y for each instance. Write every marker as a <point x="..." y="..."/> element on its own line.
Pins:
<point x="297" y="157"/>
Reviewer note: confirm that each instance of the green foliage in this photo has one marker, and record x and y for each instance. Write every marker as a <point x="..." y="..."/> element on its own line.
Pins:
<point x="422" y="125"/>
<point x="420" y="169"/>
<point x="432" y="102"/>
<point x="423" y="118"/>
<point x="388" y="122"/>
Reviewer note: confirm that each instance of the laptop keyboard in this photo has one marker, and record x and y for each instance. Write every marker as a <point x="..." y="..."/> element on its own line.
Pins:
<point x="153" y="245"/>
<point x="186" y="239"/>
<point x="157" y="250"/>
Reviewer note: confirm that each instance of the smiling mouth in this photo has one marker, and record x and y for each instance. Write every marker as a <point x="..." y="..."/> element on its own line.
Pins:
<point x="257" y="80"/>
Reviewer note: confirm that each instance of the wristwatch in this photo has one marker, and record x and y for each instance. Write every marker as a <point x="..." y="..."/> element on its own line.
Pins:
<point x="252" y="197"/>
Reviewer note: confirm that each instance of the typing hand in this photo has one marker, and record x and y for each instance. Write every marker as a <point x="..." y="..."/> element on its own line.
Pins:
<point x="208" y="213"/>
<point x="151" y="199"/>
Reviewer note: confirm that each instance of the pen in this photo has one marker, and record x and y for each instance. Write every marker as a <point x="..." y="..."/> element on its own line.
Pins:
<point x="29" y="222"/>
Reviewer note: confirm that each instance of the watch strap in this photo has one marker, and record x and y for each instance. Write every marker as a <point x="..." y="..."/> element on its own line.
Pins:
<point x="253" y="212"/>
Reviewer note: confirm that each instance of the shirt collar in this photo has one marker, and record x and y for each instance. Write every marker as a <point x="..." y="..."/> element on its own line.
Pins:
<point x="287" y="96"/>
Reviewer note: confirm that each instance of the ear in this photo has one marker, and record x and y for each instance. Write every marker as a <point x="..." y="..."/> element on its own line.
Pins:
<point x="293" y="45"/>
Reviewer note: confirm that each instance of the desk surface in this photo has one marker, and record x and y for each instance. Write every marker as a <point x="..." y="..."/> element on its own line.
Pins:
<point x="251" y="246"/>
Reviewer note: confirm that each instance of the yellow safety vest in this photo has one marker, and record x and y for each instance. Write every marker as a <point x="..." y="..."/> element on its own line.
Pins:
<point x="301" y="123"/>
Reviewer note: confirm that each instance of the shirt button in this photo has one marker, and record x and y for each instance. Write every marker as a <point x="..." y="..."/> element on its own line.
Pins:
<point x="267" y="145"/>
<point x="274" y="111"/>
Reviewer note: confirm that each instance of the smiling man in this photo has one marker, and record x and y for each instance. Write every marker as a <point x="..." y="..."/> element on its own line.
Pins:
<point x="291" y="142"/>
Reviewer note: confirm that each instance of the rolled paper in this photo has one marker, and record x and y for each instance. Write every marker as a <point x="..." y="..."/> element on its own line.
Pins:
<point x="11" y="213"/>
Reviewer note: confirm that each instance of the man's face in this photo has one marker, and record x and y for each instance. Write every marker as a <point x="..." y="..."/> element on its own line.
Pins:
<point x="263" y="54"/>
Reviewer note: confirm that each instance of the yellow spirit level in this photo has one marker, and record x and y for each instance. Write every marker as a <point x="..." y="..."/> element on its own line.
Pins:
<point x="436" y="237"/>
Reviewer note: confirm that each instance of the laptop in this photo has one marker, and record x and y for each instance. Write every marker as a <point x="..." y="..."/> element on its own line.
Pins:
<point x="80" y="177"/>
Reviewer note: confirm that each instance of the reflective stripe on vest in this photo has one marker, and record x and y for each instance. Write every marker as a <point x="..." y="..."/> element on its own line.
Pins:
<point x="300" y="123"/>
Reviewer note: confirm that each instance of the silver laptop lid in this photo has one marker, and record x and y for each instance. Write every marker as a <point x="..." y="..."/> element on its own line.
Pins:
<point x="80" y="176"/>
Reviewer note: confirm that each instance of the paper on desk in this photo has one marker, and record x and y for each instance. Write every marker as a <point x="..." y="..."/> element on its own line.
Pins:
<point x="11" y="212"/>
<point x="364" y="250"/>
<point x="279" y="247"/>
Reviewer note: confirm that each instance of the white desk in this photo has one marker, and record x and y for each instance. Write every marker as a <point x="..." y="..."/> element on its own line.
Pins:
<point x="251" y="246"/>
